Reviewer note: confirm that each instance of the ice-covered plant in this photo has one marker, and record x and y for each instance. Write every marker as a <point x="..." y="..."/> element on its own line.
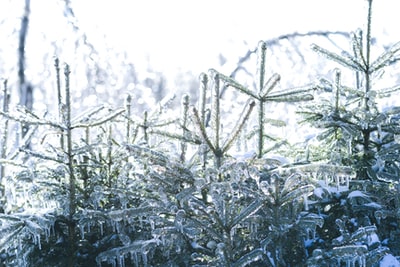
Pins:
<point x="242" y="218"/>
<point x="358" y="133"/>
<point x="356" y="130"/>
<point x="264" y="94"/>
<point x="213" y="143"/>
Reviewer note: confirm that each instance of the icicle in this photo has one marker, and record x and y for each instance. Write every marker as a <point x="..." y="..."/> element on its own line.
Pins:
<point x="144" y="256"/>
<point x="233" y="232"/>
<point x="101" y="228"/>
<point x="305" y="197"/>
<point x="37" y="241"/>
<point x="82" y="231"/>
<point x="337" y="182"/>
<point x="120" y="260"/>
<point x="134" y="258"/>
<point x="179" y="219"/>
<point x="152" y="223"/>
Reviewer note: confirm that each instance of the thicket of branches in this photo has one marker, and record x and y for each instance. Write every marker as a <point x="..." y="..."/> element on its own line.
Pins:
<point x="210" y="182"/>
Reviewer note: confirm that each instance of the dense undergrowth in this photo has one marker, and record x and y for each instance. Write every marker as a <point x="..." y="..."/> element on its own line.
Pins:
<point x="201" y="188"/>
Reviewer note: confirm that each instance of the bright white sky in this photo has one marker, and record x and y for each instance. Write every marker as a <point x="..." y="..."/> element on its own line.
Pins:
<point x="190" y="34"/>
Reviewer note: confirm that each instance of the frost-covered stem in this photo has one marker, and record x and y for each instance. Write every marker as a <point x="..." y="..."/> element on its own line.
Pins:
<point x="184" y="118"/>
<point x="4" y="137"/>
<point x="368" y="51"/>
<point x="239" y="125"/>
<point x="337" y="89"/>
<point x="59" y="98"/>
<point x="261" y="51"/>
<point x="261" y="76"/>
<point x="355" y="48"/>
<point x="337" y="96"/>
<point x="216" y="123"/>
<point x="260" y="139"/>
<point x="203" y="95"/>
<point x="109" y="154"/>
<point x="72" y="194"/>
<point x="367" y="131"/>
<point x="128" y="105"/>
<point x="202" y="108"/>
<point x="145" y="127"/>
<point x="397" y="202"/>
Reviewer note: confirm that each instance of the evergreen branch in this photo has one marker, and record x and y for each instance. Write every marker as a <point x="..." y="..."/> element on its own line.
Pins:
<point x="325" y="84"/>
<point x="216" y="112"/>
<point x="309" y="116"/>
<point x="184" y="121"/>
<point x="385" y="58"/>
<point x="294" y="92"/>
<point x="123" y="214"/>
<point x="202" y="130"/>
<point x="356" y="40"/>
<point x="295" y="194"/>
<point x="32" y="121"/>
<point x="290" y="98"/>
<point x="347" y="62"/>
<point x="247" y="212"/>
<point x="163" y="123"/>
<point x="203" y="95"/>
<point x="41" y="156"/>
<point x="261" y="51"/>
<point x="60" y="104"/>
<point x="212" y="232"/>
<point x="85" y="116"/>
<point x="100" y="121"/>
<point x="275" y="146"/>
<point x="154" y="156"/>
<point x="12" y="163"/>
<point x="158" y="179"/>
<point x="145" y="125"/>
<point x="269" y="85"/>
<point x="27" y="112"/>
<point x="291" y="182"/>
<point x="368" y="40"/>
<point x="231" y="82"/>
<point x="185" y="138"/>
<point x="239" y="126"/>
<point x="337" y="89"/>
<point x="352" y="58"/>
<point x="252" y="256"/>
<point x="163" y="104"/>
<point x="15" y="229"/>
<point x="128" y="111"/>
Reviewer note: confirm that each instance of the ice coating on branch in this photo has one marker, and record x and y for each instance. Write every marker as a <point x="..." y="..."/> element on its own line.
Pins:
<point x="138" y="252"/>
<point x="350" y="255"/>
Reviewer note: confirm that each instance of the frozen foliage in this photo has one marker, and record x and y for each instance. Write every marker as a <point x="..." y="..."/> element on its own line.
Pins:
<point x="389" y="261"/>
<point x="108" y="187"/>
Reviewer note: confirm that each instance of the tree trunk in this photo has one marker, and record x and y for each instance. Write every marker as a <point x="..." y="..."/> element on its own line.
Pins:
<point x="25" y="89"/>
